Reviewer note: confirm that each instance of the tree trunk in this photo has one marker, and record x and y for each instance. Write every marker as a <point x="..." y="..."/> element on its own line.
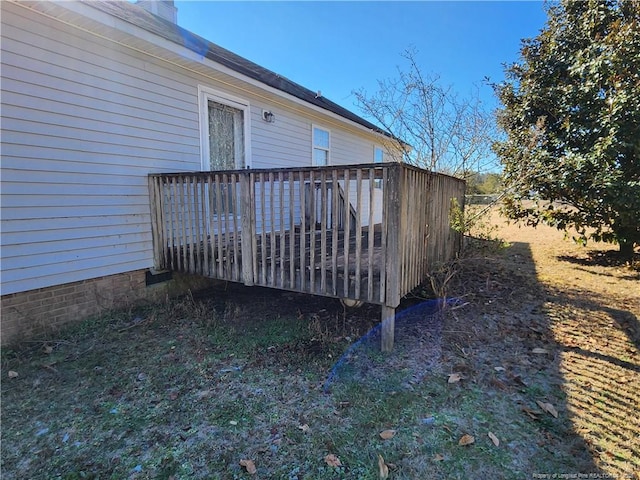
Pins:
<point x="626" y="250"/>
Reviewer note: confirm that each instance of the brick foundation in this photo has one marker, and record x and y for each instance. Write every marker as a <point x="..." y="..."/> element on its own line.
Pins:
<point x="40" y="312"/>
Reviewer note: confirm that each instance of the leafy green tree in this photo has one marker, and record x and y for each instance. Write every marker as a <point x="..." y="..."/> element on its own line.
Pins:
<point x="571" y="115"/>
<point x="483" y="183"/>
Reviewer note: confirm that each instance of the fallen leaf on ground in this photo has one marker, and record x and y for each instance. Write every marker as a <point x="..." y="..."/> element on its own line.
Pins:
<point x="532" y="413"/>
<point x="438" y="458"/>
<point x="332" y="460"/>
<point x="494" y="439"/>
<point x="48" y="349"/>
<point x="498" y="384"/>
<point x="13" y="374"/>
<point x="539" y="350"/>
<point x="201" y="395"/>
<point x="248" y="465"/>
<point x="466" y="439"/>
<point x="519" y="380"/>
<point x="387" y="434"/>
<point x="454" y="377"/>
<point x="382" y="467"/>
<point x="547" y="407"/>
<point x="305" y="428"/>
<point x="50" y="367"/>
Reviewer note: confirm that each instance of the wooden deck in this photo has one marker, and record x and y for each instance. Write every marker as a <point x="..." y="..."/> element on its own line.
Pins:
<point x="361" y="232"/>
<point x="311" y="268"/>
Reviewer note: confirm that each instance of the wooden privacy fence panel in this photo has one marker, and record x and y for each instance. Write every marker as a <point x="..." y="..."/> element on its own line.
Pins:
<point x="364" y="232"/>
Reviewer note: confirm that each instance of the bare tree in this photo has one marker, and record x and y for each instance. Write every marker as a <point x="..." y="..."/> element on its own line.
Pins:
<point x="432" y="126"/>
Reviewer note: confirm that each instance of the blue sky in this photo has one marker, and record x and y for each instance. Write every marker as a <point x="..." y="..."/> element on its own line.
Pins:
<point x="339" y="47"/>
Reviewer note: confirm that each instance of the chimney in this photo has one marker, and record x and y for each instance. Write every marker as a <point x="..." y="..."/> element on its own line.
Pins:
<point x="163" y="8"/>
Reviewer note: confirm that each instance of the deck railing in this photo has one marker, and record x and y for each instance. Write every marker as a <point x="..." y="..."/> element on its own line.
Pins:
<point x="363" y="232"/>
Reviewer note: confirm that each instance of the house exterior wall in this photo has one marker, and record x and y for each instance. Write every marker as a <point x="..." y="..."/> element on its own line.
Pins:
<point x="86" y="119"/>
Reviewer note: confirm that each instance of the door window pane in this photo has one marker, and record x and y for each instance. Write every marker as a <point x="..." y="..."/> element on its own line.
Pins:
<point x="226" y="137"/>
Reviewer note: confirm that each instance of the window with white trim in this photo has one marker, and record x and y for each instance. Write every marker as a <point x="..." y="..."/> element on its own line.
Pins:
<point x="321" y="146"/>
<point x="224" y="125"/>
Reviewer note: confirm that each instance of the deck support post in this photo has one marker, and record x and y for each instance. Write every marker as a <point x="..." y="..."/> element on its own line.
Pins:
<point x="246" y="237"/>
<point x="393" y="260"/>
<point x="388" y="328"/>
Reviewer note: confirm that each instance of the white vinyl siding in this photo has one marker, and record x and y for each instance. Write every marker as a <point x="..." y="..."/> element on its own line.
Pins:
<point x="284" y="143"/>
<point x="85" y="120"/>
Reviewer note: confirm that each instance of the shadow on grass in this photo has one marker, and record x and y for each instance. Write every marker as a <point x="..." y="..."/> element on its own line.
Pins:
<point x="607" y="258"/>
<point x="596" y="350"/>
<point x="631" y="276"/>
<point x="625" y="321"/>
<point x="604" y="358"/>
<point x="513" y="324"/>
<point x="188" y="389"/>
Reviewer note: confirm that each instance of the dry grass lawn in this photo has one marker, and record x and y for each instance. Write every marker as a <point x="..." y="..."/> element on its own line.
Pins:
<point x="593" y="309"/>
<point x="533" y="372"/>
